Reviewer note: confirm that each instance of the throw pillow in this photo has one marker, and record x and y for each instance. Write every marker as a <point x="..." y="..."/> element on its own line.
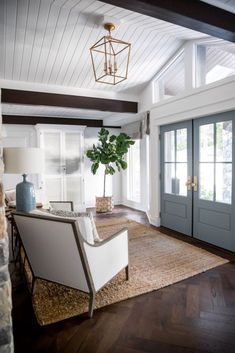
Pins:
<point x="10" y="196"/>
<point x="73" y="214"/>
<point x="85" y="227"/>
<point x="94" y="230"/>
<point x="83" y="221"/>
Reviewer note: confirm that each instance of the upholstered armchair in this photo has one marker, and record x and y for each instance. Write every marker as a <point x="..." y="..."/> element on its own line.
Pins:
<point x="62" y="205"/>
<point x="57" y="252"/>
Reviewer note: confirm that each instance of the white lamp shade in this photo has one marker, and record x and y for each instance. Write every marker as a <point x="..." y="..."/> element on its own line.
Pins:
<point x="20" y="160"/>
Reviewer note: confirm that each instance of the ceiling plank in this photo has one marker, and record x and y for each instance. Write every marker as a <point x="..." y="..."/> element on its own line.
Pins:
<point x="33" y="120"/>
<point x="61" y="100"/>
<point x="196" y="15"/>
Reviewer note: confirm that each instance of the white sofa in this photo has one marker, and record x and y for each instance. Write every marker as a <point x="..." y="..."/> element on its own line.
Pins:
<point x="57" y="252"/>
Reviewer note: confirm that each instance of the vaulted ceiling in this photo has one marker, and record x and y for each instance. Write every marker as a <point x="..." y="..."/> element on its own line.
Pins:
<point x="46" y="42"/>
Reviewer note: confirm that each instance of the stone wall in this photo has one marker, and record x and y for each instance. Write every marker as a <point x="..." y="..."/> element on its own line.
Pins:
<point x="6" y="337"/>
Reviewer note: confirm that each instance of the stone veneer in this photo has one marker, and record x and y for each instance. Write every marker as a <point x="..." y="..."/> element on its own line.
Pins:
<point x="6" y="337"/>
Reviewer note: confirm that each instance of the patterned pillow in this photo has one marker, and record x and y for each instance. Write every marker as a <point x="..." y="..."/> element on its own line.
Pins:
<point x="62" y="213"/>
<point x="10" y="197"/>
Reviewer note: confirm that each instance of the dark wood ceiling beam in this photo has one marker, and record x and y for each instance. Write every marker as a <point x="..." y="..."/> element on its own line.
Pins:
<point x="192" y="14"/>
<point x="67" y="101"/>
<point x="33" y="120"/>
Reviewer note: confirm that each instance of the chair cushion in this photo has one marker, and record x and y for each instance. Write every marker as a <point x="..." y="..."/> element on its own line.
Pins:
<point x="84" y="221"/>
<point x="73" y="214"/>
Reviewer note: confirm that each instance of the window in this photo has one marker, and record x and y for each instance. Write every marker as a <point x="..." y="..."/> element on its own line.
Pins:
<point x="175" y="162"/>
<point x="214" y="62"/>
<point x="133" y="172"/>
<point x="171" y="81"/>
<point x="215" y="165"/>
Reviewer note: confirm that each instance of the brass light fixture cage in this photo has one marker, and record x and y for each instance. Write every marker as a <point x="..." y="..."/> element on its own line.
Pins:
<point x="110" y="58"/>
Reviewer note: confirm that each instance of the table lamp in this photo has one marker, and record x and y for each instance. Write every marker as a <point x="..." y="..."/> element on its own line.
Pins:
<point x="20" y="160"/>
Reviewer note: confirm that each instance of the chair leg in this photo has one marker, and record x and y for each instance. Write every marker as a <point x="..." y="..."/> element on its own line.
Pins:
<point x="33" y="288"/>
<point x="91" y="305"/>
<point x="127" y="272"/>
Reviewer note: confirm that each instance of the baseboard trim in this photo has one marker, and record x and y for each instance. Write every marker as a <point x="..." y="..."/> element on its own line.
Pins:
<point x="133" y="205"/>
<point x="155" y="221"/>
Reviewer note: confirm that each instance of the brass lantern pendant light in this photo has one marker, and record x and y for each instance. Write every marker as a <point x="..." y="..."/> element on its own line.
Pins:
<point x="110" y="58"/>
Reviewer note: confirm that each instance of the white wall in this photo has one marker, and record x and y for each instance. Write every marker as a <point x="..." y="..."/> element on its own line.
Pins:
<point x="25" y="136"/>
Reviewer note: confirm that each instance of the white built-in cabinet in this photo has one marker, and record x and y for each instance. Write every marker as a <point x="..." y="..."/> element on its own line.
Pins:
<point x="63" y="177"/>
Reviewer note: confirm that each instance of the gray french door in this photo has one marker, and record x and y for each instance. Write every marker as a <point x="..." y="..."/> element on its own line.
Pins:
<point x="214" y="166"/>
<point x="176" y="172"/>
<point x="202" y="203"/>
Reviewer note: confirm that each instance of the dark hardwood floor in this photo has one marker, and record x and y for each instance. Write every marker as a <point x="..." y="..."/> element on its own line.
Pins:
<point x="196" y="315"/>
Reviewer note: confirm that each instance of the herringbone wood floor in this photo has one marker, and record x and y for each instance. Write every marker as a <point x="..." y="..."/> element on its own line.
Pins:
<point x="196" y="315"/>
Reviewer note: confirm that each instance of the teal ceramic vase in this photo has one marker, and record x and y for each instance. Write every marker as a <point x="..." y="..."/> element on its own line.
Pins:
<point x="25" y="196"/>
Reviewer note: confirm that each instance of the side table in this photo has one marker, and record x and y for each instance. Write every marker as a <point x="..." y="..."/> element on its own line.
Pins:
<point x="13" y="235"/>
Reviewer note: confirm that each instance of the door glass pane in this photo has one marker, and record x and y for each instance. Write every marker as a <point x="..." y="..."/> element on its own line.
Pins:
<point x="52" y="153"/>
<point x="169" y="178"/>
<point x="224" y="182"/>
<point x="181" y="145"/>
<point x="72" y="153"/>
<point x="206" y="138"/>
<point x="181" y="179"/>
<point x="224" y="141"/>
<point x="73" y="188"/>
<point x="206" y="181"/>
<point x="169" y="143"/>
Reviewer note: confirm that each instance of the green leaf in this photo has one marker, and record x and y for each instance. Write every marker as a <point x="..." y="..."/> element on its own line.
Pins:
<point x="123" y="164"/>
<point x="112" y="138"/>
<point x="94" y="167"/>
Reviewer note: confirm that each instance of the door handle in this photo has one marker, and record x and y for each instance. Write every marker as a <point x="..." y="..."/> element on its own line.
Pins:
<point x="195" y="183"/>
<point x="189" y="183"/>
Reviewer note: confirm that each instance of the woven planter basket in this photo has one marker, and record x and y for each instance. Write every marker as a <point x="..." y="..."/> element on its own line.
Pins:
<point x="104" y="204"/>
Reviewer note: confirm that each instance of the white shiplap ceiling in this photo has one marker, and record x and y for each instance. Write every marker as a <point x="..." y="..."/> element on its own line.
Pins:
<point x="48" y="41"/>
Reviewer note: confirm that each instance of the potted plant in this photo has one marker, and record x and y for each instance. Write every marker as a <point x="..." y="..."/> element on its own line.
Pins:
<point x="110" y="152"/>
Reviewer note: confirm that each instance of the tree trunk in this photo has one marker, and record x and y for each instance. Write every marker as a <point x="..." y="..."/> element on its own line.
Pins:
<point x="104" y="180"/>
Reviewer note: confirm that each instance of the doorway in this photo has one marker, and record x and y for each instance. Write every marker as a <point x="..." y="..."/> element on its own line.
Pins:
<point x="198" y="178"/>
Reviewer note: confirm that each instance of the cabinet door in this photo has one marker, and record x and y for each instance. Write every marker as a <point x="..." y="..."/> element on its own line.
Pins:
<point x="73" y="161"/>
<point x="63" y="175"/>
<point x="53" y="183"/>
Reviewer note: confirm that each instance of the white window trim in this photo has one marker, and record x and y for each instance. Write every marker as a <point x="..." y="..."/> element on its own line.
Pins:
<point x="191" y="74"/>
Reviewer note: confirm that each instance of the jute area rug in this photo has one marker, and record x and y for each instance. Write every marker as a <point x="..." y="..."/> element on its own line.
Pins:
<point x="156" y="261"/>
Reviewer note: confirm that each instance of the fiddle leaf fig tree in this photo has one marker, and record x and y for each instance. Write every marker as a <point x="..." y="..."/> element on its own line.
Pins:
<point x="110" y="152"/>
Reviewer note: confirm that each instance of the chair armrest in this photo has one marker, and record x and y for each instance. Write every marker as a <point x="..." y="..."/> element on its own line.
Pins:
<point x="107" y="258"/>
<point x="110" y="238"/>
